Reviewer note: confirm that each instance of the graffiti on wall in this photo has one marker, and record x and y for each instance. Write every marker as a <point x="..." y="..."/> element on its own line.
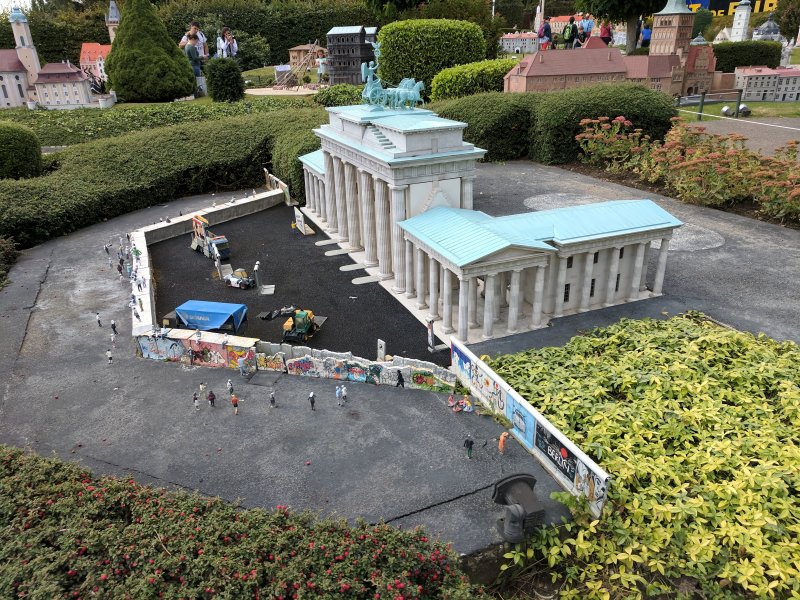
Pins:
<point x="424" y="379"/>
<point x="207" y="355"/>
<point x="160" y="348"/>
<point x="270" y="362"/>
<point x="234" y="353"/>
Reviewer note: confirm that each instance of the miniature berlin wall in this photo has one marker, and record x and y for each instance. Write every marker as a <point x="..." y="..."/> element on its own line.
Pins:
<point x="217" y="350"/>
<point x="568" y="464"/>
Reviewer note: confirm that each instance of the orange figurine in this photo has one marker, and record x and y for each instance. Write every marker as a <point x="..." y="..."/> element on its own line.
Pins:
<point x="501" y="445"/>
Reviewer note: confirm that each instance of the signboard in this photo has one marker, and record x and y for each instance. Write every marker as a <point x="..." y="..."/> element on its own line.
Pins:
<point x="300" y="222"/>
<point x="569" y="466"/>
<point x="381" y="350"/>
<point x="726" y="7"/>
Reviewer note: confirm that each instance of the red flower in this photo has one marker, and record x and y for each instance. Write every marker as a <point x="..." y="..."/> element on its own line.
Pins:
<point x="103" y="577"/>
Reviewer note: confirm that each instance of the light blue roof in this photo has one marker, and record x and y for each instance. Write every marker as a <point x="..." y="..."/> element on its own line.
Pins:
<point x="346" y="30"/>
<point x="363" y="113"/>
<point x="595" y="221"/>
<point x="464" y="237"/>
<point x="17" y="16"/>
<point x="315" y="160"/>
<point x="410" y="122"/>
<point x="113" y="12"/>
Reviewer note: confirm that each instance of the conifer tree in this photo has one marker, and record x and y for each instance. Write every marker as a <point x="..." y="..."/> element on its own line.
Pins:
<point x="145" y="64"/>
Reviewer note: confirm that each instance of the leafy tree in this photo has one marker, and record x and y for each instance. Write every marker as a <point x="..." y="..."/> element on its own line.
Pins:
<point x="622" y="10"/>
<point x="702" y="19"/>
<point x="145" y="64"/>
<point x="788" y="18"/>
<point x="254" y="51"/>
<point x="224" y="78"/>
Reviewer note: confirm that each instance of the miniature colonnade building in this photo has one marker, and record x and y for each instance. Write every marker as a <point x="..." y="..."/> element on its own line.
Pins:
<point x="394" y="187"/>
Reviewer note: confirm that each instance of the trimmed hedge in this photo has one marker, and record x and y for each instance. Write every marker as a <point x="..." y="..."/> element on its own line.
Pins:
<point x="424" y="47"/>
<point x="8" y="254"/>
<point x="224" y="79"/>
<point x="102" y="179"/>
<point x="472" y="78"/>
<point x="497" y="122"/>
<point x="341" y="94"/>
<point x="558" y="116"/>
<point x="743" y="54"/>
<point x="67" y="127"/>
<point x="543" y="126"/>
<point x="67" y="533"/>
<point x="20" y="152"/>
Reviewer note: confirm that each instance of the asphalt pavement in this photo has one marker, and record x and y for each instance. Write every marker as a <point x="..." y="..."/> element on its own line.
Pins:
<point x="391" y="453"/>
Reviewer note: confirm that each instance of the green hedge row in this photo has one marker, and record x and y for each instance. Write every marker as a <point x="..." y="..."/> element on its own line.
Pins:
<point x="341" y="94"/>
<point x="102" y="179"/>
<point x="472" y="78"/>
<point x="543" y="126"/>
<point x="422" y="48"/>
<point x="743" y="54"/>
<point x="69" y="534"/>
<point x="20" y="152"/>
<point x="67" y="127"/>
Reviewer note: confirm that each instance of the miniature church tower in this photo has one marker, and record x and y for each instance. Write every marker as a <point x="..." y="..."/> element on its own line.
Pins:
<point x="672" y="30"/>
<point x="24" y="44"/>
<point x="112" y="20"/>
<point x="741" y="22"/>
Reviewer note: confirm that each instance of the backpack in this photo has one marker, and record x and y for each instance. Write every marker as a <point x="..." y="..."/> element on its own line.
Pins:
<point x="569" y="33"/>
<point x="540" y="33"/>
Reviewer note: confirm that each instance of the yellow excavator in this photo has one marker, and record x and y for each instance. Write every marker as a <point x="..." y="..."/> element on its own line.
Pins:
<point x="301" y="326"/>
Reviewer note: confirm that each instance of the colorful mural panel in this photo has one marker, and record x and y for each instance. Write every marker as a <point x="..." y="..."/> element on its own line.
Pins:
<point x="234" y="353"/>
<point x="270" y="362"/>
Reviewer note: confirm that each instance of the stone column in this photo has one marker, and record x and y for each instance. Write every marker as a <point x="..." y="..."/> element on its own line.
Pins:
<point x="538" y="298"/>
<point x="421" y="301"/>
<point x="398" y="251"/>
<point x="341" y="201"/>
<point x="560" y="283"/>
<point x="410" y="287"/>
<point x="638" y="262"/>
<point x="499" y="293"/>
<point x="447" y="300"/>
<point x="661" y="268"/>
<point x="383" y="230"/>
<point x="368" y="218"/>
<point x="613" y="269"/>
<point x="433" y="288"/>
<point x="353" y="211"/>
<point x="645" y="263"/>
<point x="321" y="202"/>
<point x="463" y="308"/>
<point x="588" y="268"/>
<point x="472" y="302"/>
<point x="307" y="183"/>
<point x="330" y="193"/>
<point x="490" y="287"/>
<point x="513" y="304"/>
<point x="466" y="191"/>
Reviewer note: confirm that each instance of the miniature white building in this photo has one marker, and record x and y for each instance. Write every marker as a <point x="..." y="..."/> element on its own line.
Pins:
<point x="395" y="187"/>
<point x="63" y="85"/>
<point x="523" y="42"/>
<point x="740" y="31"/>
<point x="763" y="84"/>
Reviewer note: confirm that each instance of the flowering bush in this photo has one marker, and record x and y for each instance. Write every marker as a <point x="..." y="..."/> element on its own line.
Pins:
<point x="696" y="166"/>
<point x="66" y="533"/>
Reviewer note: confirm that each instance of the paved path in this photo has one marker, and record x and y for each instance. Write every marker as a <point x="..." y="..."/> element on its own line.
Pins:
<point x="763" y="134"/>
<point x="391" y="453"/>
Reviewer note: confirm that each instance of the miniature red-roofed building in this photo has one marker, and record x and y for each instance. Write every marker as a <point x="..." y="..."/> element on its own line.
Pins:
<point x="93" y="59"/>
<point x="550" y="70"/>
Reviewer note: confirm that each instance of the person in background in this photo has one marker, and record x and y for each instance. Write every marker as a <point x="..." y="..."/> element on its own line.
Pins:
<point x="569" y="34"/>
<point x="606" y="32"/>
<point x="190" y="49"/>
<point x="227" y="47"/>
<point x="587" y="23"/>
<point x="545" y="34"/>
<point x="322" y="65"/>
<point x="647" y="31"/>
<point x="202" y="40"/>
<point x="581" y="38"/>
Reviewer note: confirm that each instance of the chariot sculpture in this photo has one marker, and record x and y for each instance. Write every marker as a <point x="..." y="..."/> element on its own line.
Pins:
<point x="405" y="95"/>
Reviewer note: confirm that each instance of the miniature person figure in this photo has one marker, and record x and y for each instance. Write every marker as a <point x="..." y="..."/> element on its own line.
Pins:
<point x="113" y="326"/>
<point x="196" y="401"/>
<point x="191" y="357"/>
<point x="468" y="443"/>
<point x="344" y="395"/>
<point x="97" y="316"/>
<point x="311" y="400"/>
<point x="242" y="366"/>
<point x="203" y="387"/>
<point x="211" y="396"/>
<point x="230" y="387"/>
<point x="113" y="340"/>
<point x="400" y="381"/>
<point x="451" y="401"/>
<point x="109" y="357"/>
<point x="272" y="403"/>
<point x="235" y="402"/>
<point x="338" y="396"/>
<point x="501" y="445"/>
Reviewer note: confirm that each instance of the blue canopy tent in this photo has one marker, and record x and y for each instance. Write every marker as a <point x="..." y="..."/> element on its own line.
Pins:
<point x="212" y="316"/>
